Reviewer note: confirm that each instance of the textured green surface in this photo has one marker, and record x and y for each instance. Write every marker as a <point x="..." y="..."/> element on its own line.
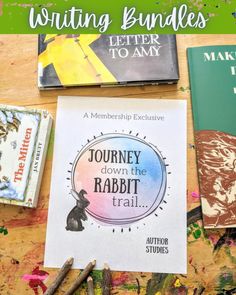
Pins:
<point x="212" y="89"/>
<point x="14" y="15"/>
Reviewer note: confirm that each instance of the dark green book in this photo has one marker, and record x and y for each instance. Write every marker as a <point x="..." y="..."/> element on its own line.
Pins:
<point x="212" y="71"/>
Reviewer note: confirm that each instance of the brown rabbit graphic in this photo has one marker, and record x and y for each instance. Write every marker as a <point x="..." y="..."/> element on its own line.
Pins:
<point x="77" y="214"/>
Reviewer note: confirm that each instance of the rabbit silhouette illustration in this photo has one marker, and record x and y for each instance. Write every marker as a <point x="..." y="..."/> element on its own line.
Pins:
<point x="77" y="214"/>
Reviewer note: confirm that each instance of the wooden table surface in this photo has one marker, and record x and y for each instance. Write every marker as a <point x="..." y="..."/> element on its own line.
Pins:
<point x="211" y="254"/>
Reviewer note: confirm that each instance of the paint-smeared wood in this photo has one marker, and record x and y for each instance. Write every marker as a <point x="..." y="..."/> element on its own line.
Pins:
<point x="194" y="215"/>
<point x="155" y="283"/>
<point x="26" y="238"/>
<point x="228" y="237"/>
<point x="199" y="291"/>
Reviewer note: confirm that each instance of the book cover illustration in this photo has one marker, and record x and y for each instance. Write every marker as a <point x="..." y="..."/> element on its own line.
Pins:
<point x="119" y="182"/>
<point x="73" y="60"/>
<point x="213" y="86"/>
<point x="22" y="144"/>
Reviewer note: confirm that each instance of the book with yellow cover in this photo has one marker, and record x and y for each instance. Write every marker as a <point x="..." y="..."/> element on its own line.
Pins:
<point x="24" y="136"/>
<point x="76" y="60"/>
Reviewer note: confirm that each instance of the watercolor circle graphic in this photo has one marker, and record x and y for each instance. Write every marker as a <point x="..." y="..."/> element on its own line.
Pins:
<point x="124" y="177"/>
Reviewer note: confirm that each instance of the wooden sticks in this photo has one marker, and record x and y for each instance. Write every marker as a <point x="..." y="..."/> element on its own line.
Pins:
<point x="83" y="275"/>
<point x="106" y="282"/>
<point x="90" y="286"/>
<point x="60" y="277"/>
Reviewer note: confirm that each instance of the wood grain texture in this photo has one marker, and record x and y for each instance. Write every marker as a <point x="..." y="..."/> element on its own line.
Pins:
<point x="210" y="268"/>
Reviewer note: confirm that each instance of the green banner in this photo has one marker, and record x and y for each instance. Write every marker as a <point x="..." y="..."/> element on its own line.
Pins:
<point x="118" y="16"/>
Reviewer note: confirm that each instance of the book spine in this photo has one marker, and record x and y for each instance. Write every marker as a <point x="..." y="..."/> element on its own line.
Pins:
<point x="174" y="53"/>
<point x="38" y="160"/>
<point x="193" y="87"/>
<point x="194" y="106"/>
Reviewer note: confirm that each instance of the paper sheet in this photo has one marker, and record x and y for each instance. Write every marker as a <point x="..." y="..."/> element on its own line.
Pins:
<point x="118" y="191"/>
